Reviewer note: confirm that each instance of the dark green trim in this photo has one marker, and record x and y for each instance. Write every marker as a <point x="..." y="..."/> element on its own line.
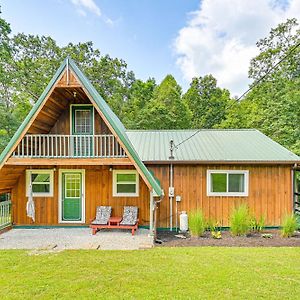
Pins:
<point x="223" y="228"/>
<point x="87" y="226"/>
<point x="82" y="107"/>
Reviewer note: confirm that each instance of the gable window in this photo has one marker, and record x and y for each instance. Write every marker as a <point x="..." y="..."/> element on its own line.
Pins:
<point x="227" y="183"/>
<point x="125" y="183"/>
<point x="41" y="182"/>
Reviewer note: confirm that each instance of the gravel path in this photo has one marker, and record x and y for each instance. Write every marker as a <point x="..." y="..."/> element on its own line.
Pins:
<point x="74" y="238"/>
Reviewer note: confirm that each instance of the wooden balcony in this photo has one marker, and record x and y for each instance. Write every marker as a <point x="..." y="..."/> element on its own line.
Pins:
<point x="68" y="146"/>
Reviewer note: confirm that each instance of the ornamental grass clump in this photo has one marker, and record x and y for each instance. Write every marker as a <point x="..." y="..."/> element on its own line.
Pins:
<point x="289" y="226"/>
<point x="197" y="223"/>
<point x="240" y="221"/>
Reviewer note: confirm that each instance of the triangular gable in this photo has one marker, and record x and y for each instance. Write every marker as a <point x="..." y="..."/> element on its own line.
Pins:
<point x="113" y="122"/>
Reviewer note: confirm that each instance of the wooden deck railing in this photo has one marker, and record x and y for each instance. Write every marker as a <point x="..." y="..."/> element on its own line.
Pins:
<point x="69" y="146"/>
<point x="5" y="214"/>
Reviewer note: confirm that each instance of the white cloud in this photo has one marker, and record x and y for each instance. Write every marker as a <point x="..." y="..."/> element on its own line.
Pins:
<point x="220" y="37"/>
<point x="83" y="5"/>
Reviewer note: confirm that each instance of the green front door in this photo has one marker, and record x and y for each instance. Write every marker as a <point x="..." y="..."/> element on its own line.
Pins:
<point x="72" y="196"/>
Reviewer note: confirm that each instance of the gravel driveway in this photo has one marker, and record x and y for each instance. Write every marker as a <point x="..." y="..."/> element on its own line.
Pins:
<point x="74" y="238"/>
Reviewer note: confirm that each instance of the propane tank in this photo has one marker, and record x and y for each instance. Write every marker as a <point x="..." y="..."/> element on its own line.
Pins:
<point x="183" y="220"/>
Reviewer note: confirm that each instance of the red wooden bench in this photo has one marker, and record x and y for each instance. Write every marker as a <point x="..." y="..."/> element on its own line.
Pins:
<point x="114" y="223"/>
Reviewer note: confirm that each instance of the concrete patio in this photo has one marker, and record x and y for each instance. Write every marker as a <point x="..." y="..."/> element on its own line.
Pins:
<point x="74" y="238"/>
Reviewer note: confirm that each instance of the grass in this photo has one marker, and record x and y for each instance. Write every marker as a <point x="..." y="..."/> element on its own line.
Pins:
<point x="160" y="273"/>
<point x="197" y="223"/>
<point x="289" y="226"/>
<point x="240" y="220"/>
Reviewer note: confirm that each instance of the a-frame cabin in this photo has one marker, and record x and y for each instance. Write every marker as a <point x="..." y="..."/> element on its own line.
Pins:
<point x="75" y="154"/>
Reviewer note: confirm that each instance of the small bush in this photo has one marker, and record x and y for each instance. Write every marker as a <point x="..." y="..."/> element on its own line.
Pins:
<point x="289" y="226"/>
<point x="214" y="229"/>
<point x="240" y="220"/>
<point x="197" y="223"/>
<point x="257" y="225"/>
<point x="267" y="235"/>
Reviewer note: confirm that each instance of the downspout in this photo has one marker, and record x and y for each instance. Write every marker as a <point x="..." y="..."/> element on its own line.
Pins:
<point x="170" y="196"/>
<point x="171" y="186"/>
<point x="152" y="207"/>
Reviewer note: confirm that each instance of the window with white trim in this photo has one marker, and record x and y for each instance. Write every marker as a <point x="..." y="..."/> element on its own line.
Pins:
<point x="41" y="182"/>
<point x="125" y="183"/>
<point x="227" y="183"/>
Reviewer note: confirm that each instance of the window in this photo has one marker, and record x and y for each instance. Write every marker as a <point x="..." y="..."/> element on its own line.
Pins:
<point x="42" y="183"/>
<point x="227" y="183"/>
<point x="125" y="183"/>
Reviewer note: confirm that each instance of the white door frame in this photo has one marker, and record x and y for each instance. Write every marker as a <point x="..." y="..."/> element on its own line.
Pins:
<point x="60" y="194"/>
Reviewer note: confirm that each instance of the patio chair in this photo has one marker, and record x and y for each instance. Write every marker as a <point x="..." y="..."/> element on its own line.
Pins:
<point x="103" y="214"/>
<point x="130" y="218"/>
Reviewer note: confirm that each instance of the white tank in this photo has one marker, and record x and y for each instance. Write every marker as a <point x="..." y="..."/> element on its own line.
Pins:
<point x="183" y="222"/>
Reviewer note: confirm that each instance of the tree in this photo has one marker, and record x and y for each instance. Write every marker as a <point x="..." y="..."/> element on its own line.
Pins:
<point x="206" y="101"/>
<point x="28" y="62"/>
<point x="165" y="110"/>
<point x="273" y="48"/>
<point x="140" y="94"/>
<point x="273" y="105"/>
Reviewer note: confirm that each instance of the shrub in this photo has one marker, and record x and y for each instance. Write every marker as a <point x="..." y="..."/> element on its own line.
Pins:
<point x="197" y="223"/>
<point x="240" y="220"/>
<point x="214" y="229"/>
<point x="257" y="225"/>
<point x="267" y="235"/>
<point x="289" y="225"/>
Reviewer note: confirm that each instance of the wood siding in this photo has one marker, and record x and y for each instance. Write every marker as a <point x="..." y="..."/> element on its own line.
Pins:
<point x="98" y="191"/>
<point x="270" y="193"/>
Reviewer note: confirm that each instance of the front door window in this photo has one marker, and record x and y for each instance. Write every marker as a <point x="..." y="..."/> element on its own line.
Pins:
<point x="72" y="197"/>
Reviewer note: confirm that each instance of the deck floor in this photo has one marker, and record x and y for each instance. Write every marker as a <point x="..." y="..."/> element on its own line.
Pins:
<point x="74" y="238"/>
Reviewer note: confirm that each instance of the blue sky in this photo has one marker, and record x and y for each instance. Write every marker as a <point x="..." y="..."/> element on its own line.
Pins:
<point x="141" y="32"/>
<point x="186" y="38"/>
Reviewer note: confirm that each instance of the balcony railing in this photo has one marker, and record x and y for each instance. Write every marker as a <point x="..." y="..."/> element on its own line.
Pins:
<point x="5" y="214"/>
<point x="69" y="146"/>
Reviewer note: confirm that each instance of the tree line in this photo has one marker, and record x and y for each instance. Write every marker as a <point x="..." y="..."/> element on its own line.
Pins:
<point x="28" y="62"/>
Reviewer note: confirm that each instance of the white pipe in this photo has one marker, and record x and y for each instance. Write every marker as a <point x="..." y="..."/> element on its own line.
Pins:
<point x="151" y="213"/>
<point x="171" y="198"/>
<point x="176" y="222"/>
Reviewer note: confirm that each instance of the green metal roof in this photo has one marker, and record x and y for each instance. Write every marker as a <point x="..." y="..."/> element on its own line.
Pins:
<point x="108" y="113"/>
<point x="211" y="145"/>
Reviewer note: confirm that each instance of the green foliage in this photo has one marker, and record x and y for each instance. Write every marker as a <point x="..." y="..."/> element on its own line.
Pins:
<point x="27" y="63"/>
<point x="206" y="101"/>
<point x="165" y="110"/>
<point x="197" y="223"/>
<point x="273" y="105"/>
<point x="289" y="225"/>
<point x="257" y="225"/>
<point x="214" y="228"/>
<point x="240" y="220"/>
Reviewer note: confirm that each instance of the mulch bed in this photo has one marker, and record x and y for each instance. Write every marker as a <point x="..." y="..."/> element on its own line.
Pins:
<point x="253" y="240"/>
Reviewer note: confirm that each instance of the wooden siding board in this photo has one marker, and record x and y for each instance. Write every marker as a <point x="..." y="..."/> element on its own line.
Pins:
<point x="269" y="194"/>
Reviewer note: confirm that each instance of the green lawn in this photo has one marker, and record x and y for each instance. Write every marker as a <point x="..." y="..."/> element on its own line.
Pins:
<point x="161" y="273"/>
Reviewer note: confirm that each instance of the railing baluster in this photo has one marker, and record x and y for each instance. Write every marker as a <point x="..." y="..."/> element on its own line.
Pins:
<point x="60" y="152"/>
<point x="55" y="145"/>
<point x="31" y="145"/>
<point x="69" y="148"/>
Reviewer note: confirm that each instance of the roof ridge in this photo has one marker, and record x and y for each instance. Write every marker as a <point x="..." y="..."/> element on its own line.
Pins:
<point x="190" y="129"/>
